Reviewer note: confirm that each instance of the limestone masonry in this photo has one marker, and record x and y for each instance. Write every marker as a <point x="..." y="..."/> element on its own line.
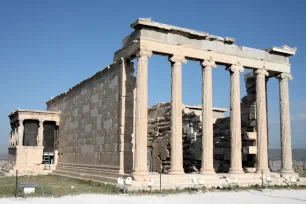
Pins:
<point x="102" y="128"/>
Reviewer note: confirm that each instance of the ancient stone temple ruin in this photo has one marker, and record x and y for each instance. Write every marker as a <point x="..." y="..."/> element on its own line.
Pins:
<point x="102" y="128"/>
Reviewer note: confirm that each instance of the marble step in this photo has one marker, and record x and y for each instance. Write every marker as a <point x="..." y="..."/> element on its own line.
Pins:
<point x="99" y="179"/>
<point x="91" y="171"/>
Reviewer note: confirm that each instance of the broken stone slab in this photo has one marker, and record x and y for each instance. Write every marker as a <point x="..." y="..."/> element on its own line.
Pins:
<point x="250" y="135"/>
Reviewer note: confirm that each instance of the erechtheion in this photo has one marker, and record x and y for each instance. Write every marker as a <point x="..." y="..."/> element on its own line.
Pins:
<point x="102" y="128"/>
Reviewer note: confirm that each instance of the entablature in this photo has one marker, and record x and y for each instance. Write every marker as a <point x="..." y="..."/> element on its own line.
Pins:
<point x="172" y="40"/>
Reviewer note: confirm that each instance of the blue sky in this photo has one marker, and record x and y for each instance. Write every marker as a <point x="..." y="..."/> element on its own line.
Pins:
<point x="48" y="46"/>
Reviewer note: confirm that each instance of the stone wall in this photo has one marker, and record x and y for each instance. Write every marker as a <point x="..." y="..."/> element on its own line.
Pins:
<point x="159" y="136"/>
<point x="89" y="120"/>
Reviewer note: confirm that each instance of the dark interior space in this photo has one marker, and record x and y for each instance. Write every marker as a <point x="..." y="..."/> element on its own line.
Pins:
<point x="30" y="133"/>
<point x="49" y="135"/>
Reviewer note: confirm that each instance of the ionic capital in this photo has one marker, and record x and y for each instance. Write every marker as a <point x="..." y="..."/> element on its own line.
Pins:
<point x="178" y="59"/>
<point x="209" y="63"/>
<point x="284" y="76"/>
<point x="236" y="68"/>
<point x="144" y="53"/>
<point x="261" y="72"/>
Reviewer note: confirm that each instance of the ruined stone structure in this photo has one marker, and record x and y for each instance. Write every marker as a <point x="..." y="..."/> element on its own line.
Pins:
<point x="159" y="136"/>
<point x="32" y="142"/>
<point x="103" y="125"/>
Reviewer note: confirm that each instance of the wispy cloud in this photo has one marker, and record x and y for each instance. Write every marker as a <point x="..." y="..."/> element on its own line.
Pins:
<point x="298" y="117"/>
<point x="301" y="103"/>
<point x="294" y="117"/>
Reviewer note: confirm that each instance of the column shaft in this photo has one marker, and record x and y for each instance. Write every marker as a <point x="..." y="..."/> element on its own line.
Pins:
<point x="235" y="120"/>
<point x="20" y="133"/>
<point x="207" y="165"/>
<point x="261" y="122"/>
<point x="285" y="128"/>
<point x="40" y="136"/>
<point x="176" y="116"/>
<point x="141" y="129"/>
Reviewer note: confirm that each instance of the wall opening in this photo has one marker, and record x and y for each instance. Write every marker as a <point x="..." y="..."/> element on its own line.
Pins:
<point x="30" y="133"/>
<point x="49" y="136"/>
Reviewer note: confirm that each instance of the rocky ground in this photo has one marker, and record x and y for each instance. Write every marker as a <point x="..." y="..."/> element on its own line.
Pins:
<point x="298" y="166"/>
<point x="2" y="162"/>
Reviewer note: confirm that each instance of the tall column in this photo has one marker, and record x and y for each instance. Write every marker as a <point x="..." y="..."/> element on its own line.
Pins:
<point x="122" y="114"/>
<point x="261" y="122"/>
<point x="141" y="119"/>
<point x="176" y="115"/>
<point x="207" y="166"/>
<point x="235" y="120"/>
<point x="40" y="136"/>
<point x="285" y="128"/>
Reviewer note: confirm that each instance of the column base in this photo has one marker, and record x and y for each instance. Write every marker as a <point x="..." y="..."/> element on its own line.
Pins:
<point x="265" y="171"/>
<point x="140" y="175"/>
<point x="207" y="171"/>
<point x="287" y="172"/>
<point x="176" y="172"/>
<point x="236" y="171"/>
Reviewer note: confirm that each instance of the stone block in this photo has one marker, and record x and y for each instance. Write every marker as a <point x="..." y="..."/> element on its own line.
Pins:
<point x="252" y="114"/>
<point x="250" y="136"/>
<point x="107" y="124"/>
<point x="250" y="150"/>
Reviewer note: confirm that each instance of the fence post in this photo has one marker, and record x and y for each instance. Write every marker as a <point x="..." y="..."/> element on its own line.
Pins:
<point x="160" y="182"/>
<point x="16" y="189"/>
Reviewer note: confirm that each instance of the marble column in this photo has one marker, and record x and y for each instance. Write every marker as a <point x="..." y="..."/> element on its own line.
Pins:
<point x="140" y="163"/>
<point x="261" y="122"/>
<point x="176" y="115"/>
<point x="207" y="165"/>
<point x="40" y="136"/>
<point x="20" y="133"/>
<point x="285" y="129"/>
<point x="235" y="120"/>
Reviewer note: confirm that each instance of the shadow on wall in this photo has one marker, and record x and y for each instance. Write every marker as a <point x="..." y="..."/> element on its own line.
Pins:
<point x="129" y="118"/>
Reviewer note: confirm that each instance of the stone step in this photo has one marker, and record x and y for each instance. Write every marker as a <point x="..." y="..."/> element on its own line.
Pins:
<point x="102" y="172"/>
<point x="89" y="167"/>
<point x="95" y="178"/>
<point x="250" y="136"/>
